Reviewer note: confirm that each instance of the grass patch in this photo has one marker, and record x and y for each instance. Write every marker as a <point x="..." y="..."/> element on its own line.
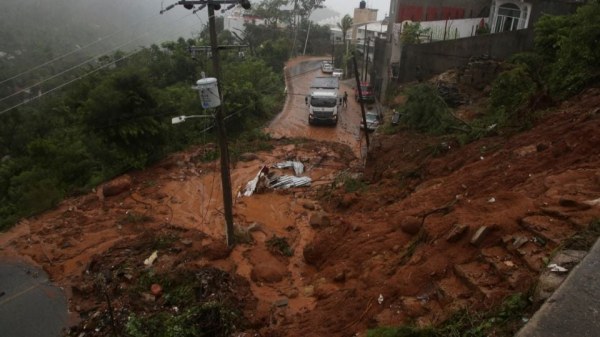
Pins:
<point x="207" y="319"/>
<point x="585" y="239"/>
<point x="349" y="182"/>
<point x="505" y="320"/>
<point x="164" y="241"/>
<point x="251" y="141"/>
<point x="280" y="245"/>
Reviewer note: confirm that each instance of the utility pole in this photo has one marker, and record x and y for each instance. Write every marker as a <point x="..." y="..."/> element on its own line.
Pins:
<point x="367" y="60"/>
<point x="219" y="115"/>
<point x="362" y="104"/>
<point x="220" y="111"/>
<point x="333" y="50"/>
<point x="366" y="50"/>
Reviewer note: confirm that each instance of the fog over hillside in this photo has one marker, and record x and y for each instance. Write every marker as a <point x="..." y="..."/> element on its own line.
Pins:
<point x="62" y="25"/>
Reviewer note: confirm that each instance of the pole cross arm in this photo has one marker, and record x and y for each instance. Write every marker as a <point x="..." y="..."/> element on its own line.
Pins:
<point x="189" y="4"/>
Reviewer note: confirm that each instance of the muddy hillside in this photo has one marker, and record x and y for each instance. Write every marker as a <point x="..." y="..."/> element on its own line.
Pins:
<point x="422" y="231"/>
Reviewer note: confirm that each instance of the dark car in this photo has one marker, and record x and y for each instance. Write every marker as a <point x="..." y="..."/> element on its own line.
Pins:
<point x="367" y="94"/>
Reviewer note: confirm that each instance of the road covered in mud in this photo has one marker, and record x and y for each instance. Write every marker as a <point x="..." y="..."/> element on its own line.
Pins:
<point x="292" y="122"/>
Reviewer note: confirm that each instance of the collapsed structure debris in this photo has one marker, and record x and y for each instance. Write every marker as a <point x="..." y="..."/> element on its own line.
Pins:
<point x="265" y="179"/>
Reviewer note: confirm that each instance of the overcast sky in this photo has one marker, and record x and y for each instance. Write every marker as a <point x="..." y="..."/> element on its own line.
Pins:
<point x="347" y="6"/>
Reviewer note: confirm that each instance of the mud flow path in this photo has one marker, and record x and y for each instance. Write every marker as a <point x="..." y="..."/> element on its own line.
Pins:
<point x="176" y="209"/>
<point x="426" y="231"/>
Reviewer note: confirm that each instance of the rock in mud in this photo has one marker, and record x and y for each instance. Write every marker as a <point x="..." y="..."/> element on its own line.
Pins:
<point x="312" y="255"/>
<point x="340" y="277"/>
<point x="480" y="235"/>
<point x="309" y="205"/>
<point x="572" y="203"/>
<point x="411" y="225"/>
<point x="248" y="156"/>
<point x="348" y="200"/>
<point x="550" y="281"/>
<point x="216" y="250"/>
<point x="89" y="202"/>
<point x="319" y="220"/>
<point x="457" y="232"/>
<point x="117" y="186"/>
<point x="267" y="274"/>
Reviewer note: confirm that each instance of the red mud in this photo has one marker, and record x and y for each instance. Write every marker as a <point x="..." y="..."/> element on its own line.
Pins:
<point x="542" y="184"/>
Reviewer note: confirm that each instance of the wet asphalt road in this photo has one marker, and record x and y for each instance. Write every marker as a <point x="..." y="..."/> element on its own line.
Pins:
<point x="30" y="306"/>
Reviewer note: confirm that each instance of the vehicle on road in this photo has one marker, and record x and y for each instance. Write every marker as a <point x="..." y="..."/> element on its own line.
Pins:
<point x="324" y="100"/>
<point x="367" y="93"/>
<point x="326" y="67"/>
<point x="337" y="72"/>
<point x="372" y="121"/>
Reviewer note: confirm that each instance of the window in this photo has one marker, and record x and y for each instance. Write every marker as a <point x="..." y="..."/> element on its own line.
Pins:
<point x="508" y="18"/>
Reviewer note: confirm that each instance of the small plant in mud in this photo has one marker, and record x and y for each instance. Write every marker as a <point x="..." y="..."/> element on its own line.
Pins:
<point x="134" y="218"/>
<point x="208" y="319"/>
<point x="350" y="182"/>
<point x="280" y="245"/>
<point x="208" y="156"/>
<point x="242" y="235"/>
<point x="505" y="320"/>
<point x="403" y="331"/>
<point x="585" y="239"/>
<point x="164" y="241"/>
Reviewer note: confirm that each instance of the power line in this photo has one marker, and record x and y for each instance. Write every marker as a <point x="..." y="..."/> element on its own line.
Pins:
<point x="82" y="63"/>
<point x="101" y="39"/>
<point x="77" y="78"/>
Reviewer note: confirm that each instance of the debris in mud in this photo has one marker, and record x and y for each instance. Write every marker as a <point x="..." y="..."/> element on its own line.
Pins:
<point x="296" y="165"/>
<point x="150" y="260"/>
<point x="557" y="269"/>
<point x="290" y="181"/>
<point x="266" y="179"/>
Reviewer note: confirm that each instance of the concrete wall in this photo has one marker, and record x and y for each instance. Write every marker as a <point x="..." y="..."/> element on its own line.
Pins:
<point x="426" y="60"/>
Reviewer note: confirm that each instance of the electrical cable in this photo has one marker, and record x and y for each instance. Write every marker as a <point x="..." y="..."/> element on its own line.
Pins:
<point x="82" y="63"/>
<point x="101" y="39"/>
<point x="75" y="79"/>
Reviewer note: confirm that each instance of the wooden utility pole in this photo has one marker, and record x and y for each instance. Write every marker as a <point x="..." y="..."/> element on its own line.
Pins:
<point x="362" y="104"/>
<point x="220" y="111"/>
<point x="219" y="119"/>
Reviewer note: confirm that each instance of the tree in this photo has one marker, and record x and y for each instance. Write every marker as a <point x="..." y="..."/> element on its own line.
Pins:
<point x="270" y="11"/>
<point x="122" y="112"/>
<point x="345" y="25"/>
<point x="573" y="43"/>
<point x="411" y="33"/>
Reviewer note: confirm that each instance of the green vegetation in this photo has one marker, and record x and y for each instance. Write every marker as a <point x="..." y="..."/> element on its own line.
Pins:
<point x="503" y="321"/>
<point x="117" y="116"/>
<point x="280" y="245"/>
<point x="118" y="119"/>
<point x="208" y="319"/>
<point x="566" y="60"/>
<point x="426" y="111"/>
<point x="585" y="239"/>
<point x="198" y="311"/>
<point x="412" y="33"/>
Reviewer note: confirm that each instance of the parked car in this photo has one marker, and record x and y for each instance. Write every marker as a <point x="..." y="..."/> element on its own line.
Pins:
<point x="372" y="121"/>
<point x="367" y="94"/>
<point x="326" y="67"/>
<point x="337" y="72"/>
